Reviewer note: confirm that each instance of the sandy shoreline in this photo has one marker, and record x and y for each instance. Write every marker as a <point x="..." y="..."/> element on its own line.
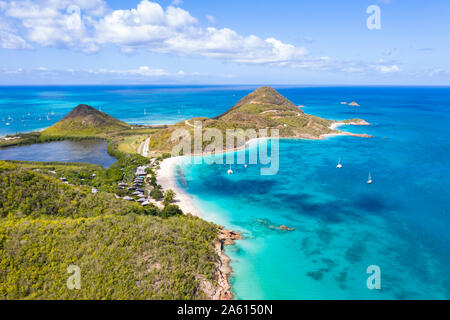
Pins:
<point x="167" y="179"/>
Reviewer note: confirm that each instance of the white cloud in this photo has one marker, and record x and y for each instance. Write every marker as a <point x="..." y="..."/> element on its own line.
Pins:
<point x="211" y="19"/>
<point x="141" y="71"/>
<point x="438" y="72"/>
<point x="9" y="38"/>
<point x="76" y="24"/>
<point x="177" y="2"/>
<point x="52" y="23"/>
<point x="388" y="68"/>
<point x="88" y="25"/>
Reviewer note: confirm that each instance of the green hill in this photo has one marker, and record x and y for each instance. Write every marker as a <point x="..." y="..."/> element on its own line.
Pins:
<point x="85" y="121"/>
<point x="264" y="108"/>
<point x="123" y="251"/>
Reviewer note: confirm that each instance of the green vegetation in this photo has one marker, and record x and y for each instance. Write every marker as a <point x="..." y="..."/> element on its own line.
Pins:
<point x="169" y="196"/>
<point x="171" y="210"/>
<point x="264" y="108"/>
<point x="156" y="193"/>
<point x="124" y="250"/>
<point x="120" y="257"/>
<point x="85" y="121"/>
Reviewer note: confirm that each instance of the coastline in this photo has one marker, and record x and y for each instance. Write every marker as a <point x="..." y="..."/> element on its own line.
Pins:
<point x="166" y="177"/>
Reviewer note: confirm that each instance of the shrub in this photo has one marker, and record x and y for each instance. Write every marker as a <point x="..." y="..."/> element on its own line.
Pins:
<point x="156" y="194"/>
<point x="170" y="211"/>
<point x="169" y="195"/>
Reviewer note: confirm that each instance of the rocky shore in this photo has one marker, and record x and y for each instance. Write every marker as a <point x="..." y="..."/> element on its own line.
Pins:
<point x="223" y="291"/>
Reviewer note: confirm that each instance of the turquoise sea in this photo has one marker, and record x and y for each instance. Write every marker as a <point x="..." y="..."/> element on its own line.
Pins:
<point x="342" y="225"/>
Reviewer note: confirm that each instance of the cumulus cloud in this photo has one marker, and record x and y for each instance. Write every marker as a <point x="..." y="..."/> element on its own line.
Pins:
<point x="89" y="25"/>
<point x="52" y="23"/>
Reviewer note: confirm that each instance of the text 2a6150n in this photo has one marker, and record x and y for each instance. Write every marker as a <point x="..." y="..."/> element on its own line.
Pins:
<point x="252" y="309"/>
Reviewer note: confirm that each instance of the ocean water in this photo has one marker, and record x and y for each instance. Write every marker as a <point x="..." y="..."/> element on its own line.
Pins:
<point x="342" y="225"/>
<point x="29" y="108"/>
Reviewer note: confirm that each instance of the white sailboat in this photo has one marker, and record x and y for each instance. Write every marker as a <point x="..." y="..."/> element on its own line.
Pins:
<point x="145" y="112"/>
<point x="230" y="171"/>
<point x="369" y="180"/>
<point x="339" y="165"/>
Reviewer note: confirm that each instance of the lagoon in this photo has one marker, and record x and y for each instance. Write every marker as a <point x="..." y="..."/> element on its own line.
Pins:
<point x="88" y="151"/>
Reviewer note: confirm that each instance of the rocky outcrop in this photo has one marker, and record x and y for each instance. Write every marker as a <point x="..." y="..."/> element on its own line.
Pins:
<point x="223" y="291"/>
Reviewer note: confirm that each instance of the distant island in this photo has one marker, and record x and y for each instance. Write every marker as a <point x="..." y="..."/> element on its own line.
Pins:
<point x="120" y="222"/>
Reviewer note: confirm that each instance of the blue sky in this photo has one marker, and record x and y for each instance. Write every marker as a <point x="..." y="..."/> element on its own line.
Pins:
<point x="224" y="42"/>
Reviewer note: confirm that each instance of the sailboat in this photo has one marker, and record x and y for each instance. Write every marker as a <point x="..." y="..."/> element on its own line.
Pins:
<point x="145" y="112"/>
<point x="339" y="165"/>
<point x="230" y="171"/>
<point x="369" y="180"/>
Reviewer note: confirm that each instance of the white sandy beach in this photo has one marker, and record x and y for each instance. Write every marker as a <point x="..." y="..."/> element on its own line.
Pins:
<point x="167" y="179"/>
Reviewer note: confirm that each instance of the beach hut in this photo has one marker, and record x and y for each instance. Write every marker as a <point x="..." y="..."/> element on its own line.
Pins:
<point x="140" y="171"/>
<point x="146" y="203"/>
<point x="128" y="198"/>
<point x="141" y="200"/>
<point x="94" y="190"/>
